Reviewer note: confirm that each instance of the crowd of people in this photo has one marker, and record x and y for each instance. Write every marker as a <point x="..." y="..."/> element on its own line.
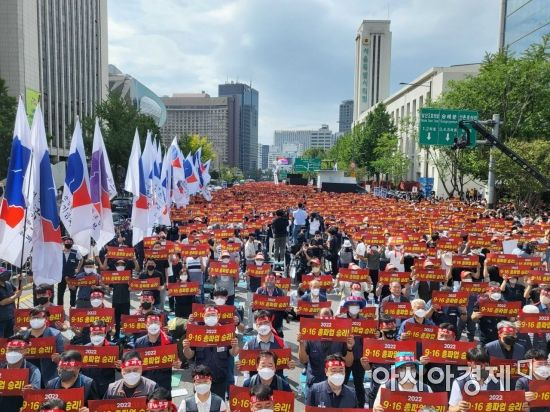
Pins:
<point x="215" y="293"/>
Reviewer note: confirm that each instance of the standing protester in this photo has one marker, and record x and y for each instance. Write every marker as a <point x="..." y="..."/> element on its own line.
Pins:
<point x="299" y="217"/>
<point x="120" y="298"/>
<point x="253" y="283"/>
<point x="226" y="281"/>
<point x="269" y="289"/>
<point x="132" y="384"/>
<point x="72" y="262"/>
<point x="101" y="376"/>
<point x="8" y="295"/>
<point x="195" y="270"/>
<point x="279" y="226"/>
<point x="487" y="324"/>
<point x="149" y="273"/>
<point x="83" y="293"/>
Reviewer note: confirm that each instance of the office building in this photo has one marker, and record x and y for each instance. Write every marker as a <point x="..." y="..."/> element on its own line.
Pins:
<point x="55" y="52"/>
<point x="137" y="94"/>
<point x="346" y="116"/>
<point x="372" y="65"/>
<point x="210" y="117"/>
<point x="322" y="138"/>
<point x="246" y="113"/>
<point x="263" y="156"/>
<point x="523" y="22"/>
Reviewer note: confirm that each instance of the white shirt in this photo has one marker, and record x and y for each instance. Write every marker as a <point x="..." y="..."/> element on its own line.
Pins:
<point x="202" y="406"/>
<point x="456" y="393"/>
<point x="300" y="216"/>
<point x="360" y="249"/>
<point x="314" y="226"/>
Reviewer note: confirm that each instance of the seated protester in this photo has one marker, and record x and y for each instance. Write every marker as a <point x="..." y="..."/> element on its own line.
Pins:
<point x="314" y="352"/>
<point x="447" y="314"/>
<point x="487" y="324"/>
<point x="314" y="294"/>
<point x="204" y="399"/>
<point x="420" y="316"/>
<point x="53" y="405"/>
<point x="477" y="377"/>
<point x="102" y="376"/>
<point x="261" y="399"/>
<point x="160" y="401"/>
<point x="404" y="376"/>
<point x="358" y="301"/>
<point x="132" y="384"/>
<point x="83" y="292"/>
<point x="220" y="298"/>
<point x="8" y="295"/>
<point x="266" y="363"/>
<point x="332" y="393"/>
<point x="43" y="295"/>
<point x="216" y="358"/>
<point x="354" y="288"/>
<point x="512" y="291"/>
<point x="540" y="371"/>
<point x="506" y="347"/>
<point x="156" y="337"/>
<point x="269" y="289"/>
<point x="151" y="272"/>
<point x="39" y="329"/>
<point x="226" y="282"/>
<point x="69" y="377"/>
<point x="467" y="323"/>
<point x="532" y="340"/>
<point x="16" y="348"/>
<point x="544" y="297"/>
<point x="182" y="304"/>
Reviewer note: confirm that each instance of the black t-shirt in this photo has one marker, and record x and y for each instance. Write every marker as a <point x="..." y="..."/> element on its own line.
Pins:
<point x="175" y="272"/>
<point x="121" y="292"/>
<point x="155" y="274"/>
<point x="129" y="392"/>
<point x="7" y="311"/>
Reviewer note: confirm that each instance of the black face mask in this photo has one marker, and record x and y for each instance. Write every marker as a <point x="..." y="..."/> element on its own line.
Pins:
<point x="509" y="340"/>
<point x="42" y="300"/>
<point x="68" y="245"/>
<point x="66" y="375"/>
<point x="146" y="305"/>
<point x="5" y="277"/>
<point x="390" y="334"/>
<point x="150" y="267"/>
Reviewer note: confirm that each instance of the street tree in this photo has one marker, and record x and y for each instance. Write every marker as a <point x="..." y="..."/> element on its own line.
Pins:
<point x="191" y="143"/>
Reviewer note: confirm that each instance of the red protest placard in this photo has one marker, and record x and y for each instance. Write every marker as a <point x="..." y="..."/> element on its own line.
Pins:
<point x="444" y="299"/>
<point x="134" y="323"/>
<point x="465" y="261"/>
<point x="406" y="401"/>
<point x="542" y="393"/>
<point x="83" y="317"/>
<point x="325" y="281"/>
<point x="276" y="303"/>
<point x="258" y="271"/>
<point x="231" y="247"/>
<point x="448" y="244"/>
<point x="325" y="329"/>
<point x="190" y="250"/>
<point x="113" y="277"/>
<point x="384" y="351"/>
<point x="247" y="358"/>
<point x="22" y="316"/>
<point x="364" y="328"/>
<point x="398" y="310"/>
<point x="508" y="271"/>
<point x="225" y="312"/>
<point x="119" y="405"/>
<point x="496" y="401"/>
<point x="239" y="400"/>
<point x="283" y="283"/>
<point x="430" y="275"/>
<point x="386" y="277"/>
<point x="449" y="352"/>
<point x="200" y="335"/>
<point x="539" y="276"/>
<point x="41" y="347"/>
<point x="353" y="275"/>
<point x="509" y="367"/>
<point x="220" y="234"/>
<point x="534" y="323"/>
<point x="157" y="357"/>
<point x="12" y="381"/>
<point x="474" y="287"/>
<point x="156" y="254"/>
<point x="97" y="356"/>
<point x="368" y="312"/>
<point x="323" y="409"/>
<point x="114" y="252"/>
<point x="217" y="268"/>
<point x="417" y="248"/>
<point x="183" y="289"/>
<point x="149" y="241"/>
<point x="497" y="259"/>
<point x="311" y="308"/>
<point x="144" y="284"/>
<point x="500" y="309"/>
<point x="416" y="331"/>
<point x="73" y="398"/>
<point x="88" y="280"/>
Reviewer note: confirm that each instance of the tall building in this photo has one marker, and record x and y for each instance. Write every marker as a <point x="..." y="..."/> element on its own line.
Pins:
<point x="137" y="94"/>
<point x="55" y="52"/>
<point x="210" y="117"/>
<point x="246" y="104"/>
<point x="523" y="22"/>
<point x="321" y="138"/>
<point x="372" y="65"/>
<point x="346" y="116"/>
<point x="263" y="156"/>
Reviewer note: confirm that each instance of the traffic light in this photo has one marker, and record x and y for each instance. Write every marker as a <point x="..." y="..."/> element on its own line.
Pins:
<point x="464" y="139"/>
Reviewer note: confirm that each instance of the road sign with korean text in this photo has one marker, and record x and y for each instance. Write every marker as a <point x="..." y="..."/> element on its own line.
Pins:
<point x="439" y="127"/>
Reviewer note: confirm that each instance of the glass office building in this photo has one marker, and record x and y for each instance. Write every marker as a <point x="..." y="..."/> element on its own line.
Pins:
<point x="526" y="22"/>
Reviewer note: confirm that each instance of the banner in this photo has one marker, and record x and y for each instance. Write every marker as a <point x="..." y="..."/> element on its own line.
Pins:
<point x="202" y="336"/>
<point x="130" y="324"/>
<point x="323" y="409"/>
<point x="125" y="253"/>
<point x="474" y="287"/>
<point x="398" y="310"/>
<point x="384" y="351"/>
<point x="430" y="275"/>
<point x="73" y="398"/>
<point x="190" y="250"/>
<point x="539" y="276"/>
<point x="283" y="283"/>
<point x="83" y="317"/>
<point x="368" y="312"/>
<point x="41" y="347"/>
<point x="412" y="401"/>
<point x="508" y="271"/>
<point x="88" y="280"/>
<point x="273" y="303"/>
<point x="247" y="358"/>
<point x="325" y="281"/>
<point x="311" y="309"/>
<point x="12" y="381"/>
<point x="445" y="299"/>
<point x="542" y="393"/>
<point x="418" y="332"/>
<point x="364" y="328"/>
<point x="119" y="405"/>
<point x="231" y="247"/>
<point x="96" y="356"/>
<point x="113" y="277"/>
<point x="144" y="284"/>
<point x="500" y="309"/>
<point x="218" y="268"/>
<point x="447" y="352"/>
<point x="157" y="357"/>
<point x="23" y="316"/>
<point x="496" y="401"/>
<point x="509" y="367"/>
<point x="183" y="289"/>
<point x="337" y="330"/>
<point x="353" y="275"/>
<point x="465" y="261"/>
<point x="258" y="271"/>
<point x="386" y="278"/>
<point x="156" y="254"/>
<point x="225" y="312"/>
<point x="239" y="400"/>
<point x="534" y="323"/>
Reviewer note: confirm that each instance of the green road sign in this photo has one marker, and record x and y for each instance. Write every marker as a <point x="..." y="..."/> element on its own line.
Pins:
<point x="439" y="127"/>
<point x="307" y="165"/>
<point x="283" y="174"/>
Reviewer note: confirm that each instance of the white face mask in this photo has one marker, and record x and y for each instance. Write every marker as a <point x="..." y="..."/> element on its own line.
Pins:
<point x="202" y="388"/>
<point x="183" y="278"/>
<point x="210" y="320"/>
<point x="420" y="313"/>
<point x="225" y="278"/>
<point x="354" y="310"/>
<point x="513" y="281"/>
<point x="120" y="268"/>
<point x="225" y="260"/>
<point x="96" y="303"/>
<point x="337" y="379"/>
<point x="266" y="373"/>
<point x="97" y="340"/>
<point x="131" y="378"/>
<point x="495" y="295"/>
<point x="13" y="357"/>
<point x="315" y="269"/>
<point x="264" y="330"/>
<point x="356" y="293"/>
<point x="219" y="301"/>
<point x="315" y="292"/>
<point x="543" y="371"/>
<point x="37" y="323"/>
<point x="153" y="328"/>
<point x="259" y="262"/>
<point x="89" y="270"/>
<point x="264" y="410"/>
<point x="545" y="300"/>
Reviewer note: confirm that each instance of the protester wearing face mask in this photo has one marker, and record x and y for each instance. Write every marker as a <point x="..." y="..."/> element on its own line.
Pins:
<point x="532" y="340"/>
<point x="544" y="304"/>
<point x="421" y="316"/>
<point x="226" y="282"/>
<point x="176" y="267"/>
<point x="478" y="361"/>
<point x="72" y="262"/>
<point x="160" y="401"/>
<point x="83" y="292"/>
<point x="269" y="289"/>
<point x="315" y="293"/>
<point x="120" y="298"/>
<point x="69" y="376"/>
<point x="149" y="273"/>
<point x="261" y="399"/>
<point x="8" y="295"/>
<point x="132" y="384"/>
<point x="487" y="324"/>
<point x="512" y="290"/>
<point x="355" y="290"/>
<point x="266" y="363"/>
<point x="396" y="295"/>
<point x="182" y="304"/>
<point x="332" y="393"/>
<point x="253" y="282"/>
<point x="540" y="370"/>
<point x="219" y="296"/>
<point x="39" y="329"/>
<point x="16" y="349"/>
<point x="506" y="347"/>
<point x="54" y="405"/>
<point x="216" y="358"/>
<point x="203" y="399"/>
<point x="43" y="295"/>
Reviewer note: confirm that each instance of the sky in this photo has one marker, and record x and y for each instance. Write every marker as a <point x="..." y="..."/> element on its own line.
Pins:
<point x="298" y="54"/>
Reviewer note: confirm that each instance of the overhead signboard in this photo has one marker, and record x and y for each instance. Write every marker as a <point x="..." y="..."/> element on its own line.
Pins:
<point x="302" y="164"/>
<point x="439" y="127"/>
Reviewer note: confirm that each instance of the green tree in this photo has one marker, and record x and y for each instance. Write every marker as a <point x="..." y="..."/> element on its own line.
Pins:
<point x="314" y="153"/>
<point x="118" y="121"/>
<point x="8" y="107"/>
<point x="231" y="174"/>
<point x="191" y="143"/>
<point x="389" y="159"/>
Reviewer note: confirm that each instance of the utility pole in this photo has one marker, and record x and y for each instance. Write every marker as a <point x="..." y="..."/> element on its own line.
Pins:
<point x="491" y="177"/>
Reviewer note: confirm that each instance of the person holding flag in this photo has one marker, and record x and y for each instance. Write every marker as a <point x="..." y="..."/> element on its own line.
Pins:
<point x="8" y="295"/>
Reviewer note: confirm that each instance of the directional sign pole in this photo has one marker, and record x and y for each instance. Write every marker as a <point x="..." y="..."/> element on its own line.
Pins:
<point x="491" y="176"/>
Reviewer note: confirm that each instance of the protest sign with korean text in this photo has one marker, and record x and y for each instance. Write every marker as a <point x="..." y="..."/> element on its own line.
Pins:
<point x="151" y="283"/>
<point x="23" y="316"/>
<point x="130" y="324"/>
<point x="444" y="299"/>
<point x="12" y="381"/>
<point x="114" y="277"/>
<point x="125" y="253"/>
<point x="311" y="308"/>
<point x="157" y="357"/>
<point x="88" y="280"/>
<point x="386" y="277"/>
<point x="265" y="302"/>
<point x="203" y="336"/>
<point x="239" y="400"/>
<point x="325" y="281"/>
<point x="383" y="351"/>
<point x="217" y="268"/>
<point x="73" y="398"/>
<point x="226" y="313"/>
<point x="83" y="317"/>
<point x="247" y="358"/>
<point x="500" y="309"/>
<point x="336" y="329"/>
<point x="353" y="275"/>
<point x="430" y="275"/>
<point x="534" y="323"/>
<point x="398" y="310"/>
<point x="183" y="289"/>
<point x="138" y="404"/>
<point x="449" y="352"/>
<point x="496" y="401"/>
<point x="417" y="331"/>
<point x="96" y="356"/>
<point x="397" y="401"/>
<point x="542" y="393"/>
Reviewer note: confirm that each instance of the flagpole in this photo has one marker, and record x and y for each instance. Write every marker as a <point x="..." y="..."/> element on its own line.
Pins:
<point x="25" y="227"/>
